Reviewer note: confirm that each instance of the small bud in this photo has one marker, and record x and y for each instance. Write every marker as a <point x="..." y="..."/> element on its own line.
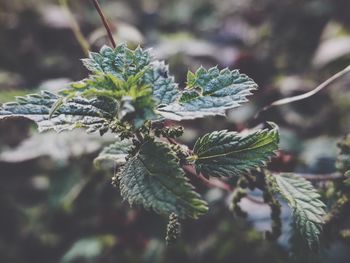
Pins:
<point x="179" y="131"/>
<point x="236" y="198"/>
<point x="115" y="180"/>
<point x="173" y="229"/>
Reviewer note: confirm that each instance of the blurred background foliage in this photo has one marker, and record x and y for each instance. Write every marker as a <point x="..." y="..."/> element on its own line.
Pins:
<point x="56" y="207"/>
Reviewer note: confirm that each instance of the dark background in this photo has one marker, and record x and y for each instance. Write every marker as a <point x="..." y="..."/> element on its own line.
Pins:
<point x="56" y="207"/>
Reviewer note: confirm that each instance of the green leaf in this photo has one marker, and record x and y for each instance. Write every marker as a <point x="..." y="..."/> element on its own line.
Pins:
<point x="114" y="154"/>
<point x="154" y="179"/>
<point x="165" y="90"/>
<point x="308" y="209"/>
<point x="120" y="62"/>
<point x="299" y="252"/>
<point x="130" y="76"/>
<point x="92" y="114"/>
<point x="191" y="79"/>
<point x="224" y="153"/>
<point x="135" y="66"/>
<point x="210" y="92"/>
<point x="98" y="85"/>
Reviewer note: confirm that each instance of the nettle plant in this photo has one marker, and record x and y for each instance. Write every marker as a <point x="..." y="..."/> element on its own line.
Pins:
<point x="133" y="96"/>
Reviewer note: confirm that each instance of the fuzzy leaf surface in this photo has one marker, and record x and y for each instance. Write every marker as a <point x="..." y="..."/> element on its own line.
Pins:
<point x="165" y="90"/>
<point x="154" y="180"/>
<point x="224" y="153"/>
<point x="135" y="67"/>
<point x="308" y="209"/>
<point x="208" y="93"/>
<point x="92" y="114"/>
<point x="120" y="62"/>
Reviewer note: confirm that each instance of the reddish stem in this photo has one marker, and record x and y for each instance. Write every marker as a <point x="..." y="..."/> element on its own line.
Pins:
<point x="213" y="182"/>
<point x="105" y="22"/>
<point x="255" y="200"/>
<point x="171" y="140"/>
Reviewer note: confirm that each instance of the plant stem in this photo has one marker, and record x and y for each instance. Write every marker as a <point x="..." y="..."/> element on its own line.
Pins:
<point x="105" y="22"/>
<point x="171" y="140"/>
<point x="208" y="182"/>
<point x="306" y="95"/>
<point x="213" y="182"/>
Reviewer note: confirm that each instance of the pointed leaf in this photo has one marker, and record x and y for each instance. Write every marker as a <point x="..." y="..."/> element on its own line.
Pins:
<point x="97" y="85"/>
<point x="154" y="179"/>
<point x="308" y="209"/>
<point x="136" y="66"/>
<point x="224" y="153"/>
<point x="92" y="114"/>
<point x="210" y="92"/>
<point x="120" y="62"/>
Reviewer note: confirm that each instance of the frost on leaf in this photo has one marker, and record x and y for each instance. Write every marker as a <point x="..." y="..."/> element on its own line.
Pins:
<point x="154" y="180"/>
<point x="92" y="114"/>
<point x="210" y="92"/>
<point x="224" y="153"/>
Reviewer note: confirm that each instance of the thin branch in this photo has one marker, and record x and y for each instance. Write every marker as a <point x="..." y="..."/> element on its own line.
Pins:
<point x="171" y="140"/>
<point x="84" y="44"/>
<point x="213" y="182"/>
<point x="105" y="22"/>
<point x="255" y="200"/>
<point x="306" y="95"/>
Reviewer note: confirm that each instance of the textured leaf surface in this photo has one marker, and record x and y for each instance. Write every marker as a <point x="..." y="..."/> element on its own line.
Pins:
<point x="154" y="179"/>
<point x="135" y="66"/>
<point x="308" y="209"/>
<point x="120" y="62"/>
<point x="224" y="153"/>
<point x="92" y="114"/>
<point x="115" y="153"/>
<point x="97" y="85"/>
<point x="165" y="90"/>
<point x="210" y="92"/>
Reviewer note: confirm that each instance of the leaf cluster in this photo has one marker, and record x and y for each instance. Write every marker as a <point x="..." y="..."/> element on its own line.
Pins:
<point x="131" y="95"/>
